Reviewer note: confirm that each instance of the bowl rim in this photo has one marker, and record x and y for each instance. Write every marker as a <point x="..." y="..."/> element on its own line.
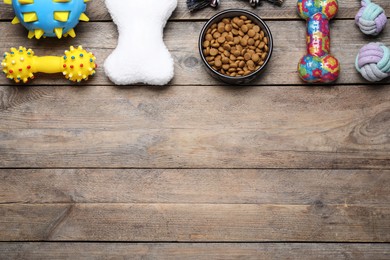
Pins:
<point x="213" y="19"/>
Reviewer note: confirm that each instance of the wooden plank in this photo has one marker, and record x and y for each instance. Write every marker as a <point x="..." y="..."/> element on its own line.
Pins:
<point x="203" y="127"/>
<point x="194" y="222"/>
<point x="189" y="70"/>
<point x="97" y="10"/>
<point x="278" y="187"/>
<point x="171" y="251"/>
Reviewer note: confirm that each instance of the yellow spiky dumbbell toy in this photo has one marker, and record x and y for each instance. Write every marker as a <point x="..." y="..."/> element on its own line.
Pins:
<point x="20" y="64"/>
<point x="49" y="18"/>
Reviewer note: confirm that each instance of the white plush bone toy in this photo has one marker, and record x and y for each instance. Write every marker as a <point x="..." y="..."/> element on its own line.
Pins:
<point x="141" y="55"/>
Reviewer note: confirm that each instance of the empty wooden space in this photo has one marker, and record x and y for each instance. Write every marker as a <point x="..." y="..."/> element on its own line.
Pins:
<point x="197" y="169"/>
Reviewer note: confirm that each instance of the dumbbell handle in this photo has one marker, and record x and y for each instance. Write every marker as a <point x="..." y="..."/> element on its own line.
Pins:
<point x="318" y="41"/>
<point x="47" y="64"/>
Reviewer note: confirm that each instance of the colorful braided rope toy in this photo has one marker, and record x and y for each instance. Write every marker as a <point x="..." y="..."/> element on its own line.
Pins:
<point x="371" y="18"/>
<point x="49" y="18"/>
<point x="373" y="62"/>
<point x="20" y="64"/>
<point x="318" y="66"/>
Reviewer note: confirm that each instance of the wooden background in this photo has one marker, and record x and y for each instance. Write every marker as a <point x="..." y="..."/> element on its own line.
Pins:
<point x="197" y="169"/>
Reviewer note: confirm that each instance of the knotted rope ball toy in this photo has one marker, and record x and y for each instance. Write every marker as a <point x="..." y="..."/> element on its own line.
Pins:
<point x="21" y="64"/>
<point x="49" y="18"/>
<point x="371" y="18"/>
<point x="318" y="65"/>
<point x="373" y="62"/>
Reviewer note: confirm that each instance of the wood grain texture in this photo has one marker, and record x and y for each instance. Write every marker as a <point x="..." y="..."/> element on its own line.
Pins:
<point x="97" y="10"/>
<point x="203" y="127"/>
<point x="337" y="138"/>
<point x="289" y="42"/>
<point x="85" y="251"/>
<point x="277" y="187"/>
<point x="194" y="222"/>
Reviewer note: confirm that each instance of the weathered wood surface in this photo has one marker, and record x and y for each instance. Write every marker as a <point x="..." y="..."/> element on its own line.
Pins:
<point x="195" y="127"/>
<point x="98" y="12"/>
<point x="278" y="187"/>
<point x="337" y="137"/>
<point x="194" y="222"/>
<point x="289" y="48"/>
<point x="49" y="251"/>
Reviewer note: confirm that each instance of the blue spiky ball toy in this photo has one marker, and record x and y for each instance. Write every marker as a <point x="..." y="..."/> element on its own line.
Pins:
<point x="49" y="18"/>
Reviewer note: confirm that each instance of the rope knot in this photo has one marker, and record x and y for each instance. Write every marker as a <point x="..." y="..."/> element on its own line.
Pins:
<point x="373" y="62"/>
<point x="371" y="18"/>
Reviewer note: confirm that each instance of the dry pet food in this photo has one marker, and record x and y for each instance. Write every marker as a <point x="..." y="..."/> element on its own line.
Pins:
<point x="236" y="46"/>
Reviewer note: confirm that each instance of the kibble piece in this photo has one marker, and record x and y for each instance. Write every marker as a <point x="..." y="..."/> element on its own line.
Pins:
<point x="226" y="20"/>
<point x="261" y="45"/>
<point x="243" y="42"/>
<point x="216" y="35"/>
<point x="251" y="33"/>
<point x="255" y="57"/>
<point x="225" y="66"/>
<point x="247" y="56"/>
<point x="244" y="28"/>
<point x="218" y="63"/>
<point x="261" y="34"/>
<point x="221" y="40"/>
<point x="206" y="44"/>
<point x="210" y="58"/>
<point x="228" y="27"/>
<point x="250" y="64"/>
<point x="213" y="52"/>
<point x="229" y="38"/>
<point x="233" y="65"/>
<point x="236" y="53"/>
<point x="209" y="37"/>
